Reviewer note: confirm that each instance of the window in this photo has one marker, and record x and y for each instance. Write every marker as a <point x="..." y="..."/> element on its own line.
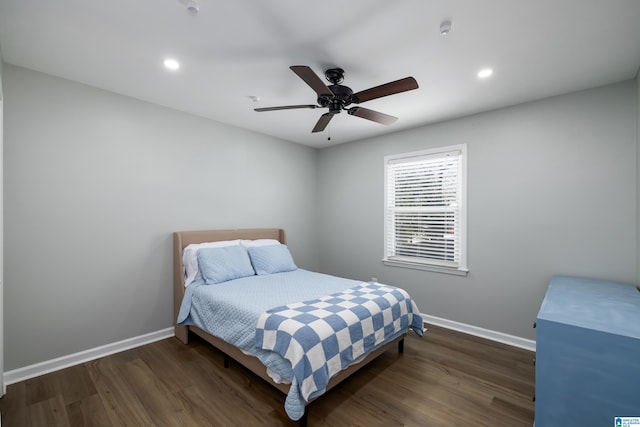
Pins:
<point x="425" y="210"/>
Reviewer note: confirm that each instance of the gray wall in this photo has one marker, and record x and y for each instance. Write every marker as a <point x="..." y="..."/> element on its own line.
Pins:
<point x="551" y="190"/>
<point x="95" y="183"/>
<point x="638" y="176"/>
<point x="2" y="385"/>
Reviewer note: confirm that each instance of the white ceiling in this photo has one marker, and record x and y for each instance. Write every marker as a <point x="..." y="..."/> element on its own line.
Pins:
<point x="235" y="49"/>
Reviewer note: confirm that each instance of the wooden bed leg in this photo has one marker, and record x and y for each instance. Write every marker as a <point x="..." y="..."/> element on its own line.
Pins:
<point x="182" y="333"/>
<point x="303" y="420"/>
<point x="401" y="346"/>
<point x="226" y="361"/>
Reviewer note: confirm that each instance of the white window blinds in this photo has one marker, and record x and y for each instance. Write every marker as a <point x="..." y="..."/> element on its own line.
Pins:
<point x="425" y="212"/>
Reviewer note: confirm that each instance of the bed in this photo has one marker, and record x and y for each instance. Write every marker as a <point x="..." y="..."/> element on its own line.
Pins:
<point x="261" y="330"/>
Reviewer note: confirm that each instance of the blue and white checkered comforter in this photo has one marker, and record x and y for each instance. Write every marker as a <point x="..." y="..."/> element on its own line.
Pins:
<point x="321" y="337"/>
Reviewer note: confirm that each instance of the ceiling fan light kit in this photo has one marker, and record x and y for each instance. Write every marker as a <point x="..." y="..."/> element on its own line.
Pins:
<point x="337" y="97"/>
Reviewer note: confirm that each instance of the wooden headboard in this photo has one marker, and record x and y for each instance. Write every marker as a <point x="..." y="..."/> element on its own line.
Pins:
<point x="183" y="238"/>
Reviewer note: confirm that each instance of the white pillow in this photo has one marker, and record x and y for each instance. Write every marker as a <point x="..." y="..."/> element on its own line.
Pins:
<point x="259" y="242"/>
<point x="190" y="260"/>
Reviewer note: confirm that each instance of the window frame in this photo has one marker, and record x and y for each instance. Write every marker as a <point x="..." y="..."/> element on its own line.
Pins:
<point x="425" y="263"/>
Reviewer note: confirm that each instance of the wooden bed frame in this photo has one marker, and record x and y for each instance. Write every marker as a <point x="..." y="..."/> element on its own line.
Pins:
<point x="183" y="238"/>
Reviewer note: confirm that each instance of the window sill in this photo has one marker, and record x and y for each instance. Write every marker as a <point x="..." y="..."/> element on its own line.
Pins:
<point x="425" y="267"/>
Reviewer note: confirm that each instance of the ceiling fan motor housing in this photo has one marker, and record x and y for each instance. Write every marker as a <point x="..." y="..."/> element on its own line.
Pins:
<point x="342" y="96"/>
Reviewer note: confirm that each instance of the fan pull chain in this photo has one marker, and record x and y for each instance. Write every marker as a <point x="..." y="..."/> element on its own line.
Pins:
<point x="329" y="131"/>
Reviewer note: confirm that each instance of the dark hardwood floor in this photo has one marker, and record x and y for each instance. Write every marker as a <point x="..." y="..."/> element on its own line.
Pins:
<point x="443" y="379"/>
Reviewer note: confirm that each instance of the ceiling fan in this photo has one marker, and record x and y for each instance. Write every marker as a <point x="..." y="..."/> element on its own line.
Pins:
<point x="337" y="97"/>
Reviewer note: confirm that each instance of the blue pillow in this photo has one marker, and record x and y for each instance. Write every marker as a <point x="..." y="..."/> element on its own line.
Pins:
<point x="219" y="265"/>
<point x="271" y="259"/>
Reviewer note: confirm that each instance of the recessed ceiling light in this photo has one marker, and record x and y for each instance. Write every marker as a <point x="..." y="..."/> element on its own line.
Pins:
<point x="171" y="64"/>
<point x="485" y="73"/>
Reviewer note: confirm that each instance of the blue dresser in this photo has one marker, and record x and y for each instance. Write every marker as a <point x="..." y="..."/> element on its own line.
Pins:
<point x="587" y="353"/>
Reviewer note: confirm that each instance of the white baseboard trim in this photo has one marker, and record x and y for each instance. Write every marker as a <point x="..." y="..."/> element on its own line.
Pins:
<point x="481" y="332"/>
<point x="32" y="371"/>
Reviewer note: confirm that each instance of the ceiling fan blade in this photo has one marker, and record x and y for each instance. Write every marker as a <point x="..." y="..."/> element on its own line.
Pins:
<point x="312" y="79"/>
<point x="285" y="107"/>
<point x="391" y="88"/>
<point x="323" y="121"/>
<point x="374" y="116"/>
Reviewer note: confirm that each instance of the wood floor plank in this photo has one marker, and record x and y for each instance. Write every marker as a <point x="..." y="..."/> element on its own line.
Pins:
<point x="14" y="403"/>
<point x="446" y="378"/>
<point x="151" y="392"/>
<point x="120" y="402"/>
<point x="40" y="389"/>
<point x="157" y="356"/>
<point x="88" y="411"/>
<point x="49" y="412"/>
<point x="74" y="383"/>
